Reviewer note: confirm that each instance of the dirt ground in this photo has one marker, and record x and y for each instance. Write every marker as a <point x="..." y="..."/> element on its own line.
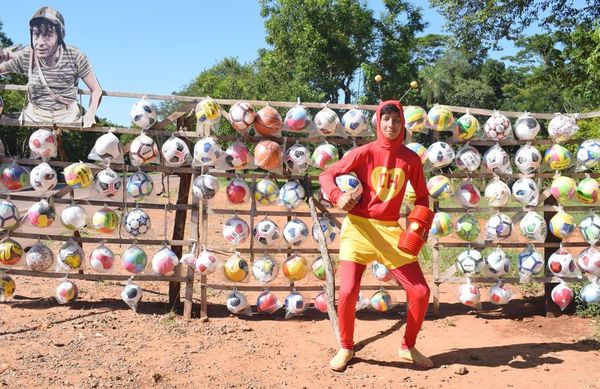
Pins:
<point x="98" y="342"/>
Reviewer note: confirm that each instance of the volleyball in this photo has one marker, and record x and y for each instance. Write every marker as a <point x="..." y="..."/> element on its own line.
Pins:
<point x="440" y="118"/>
<point x="467" y="127"/>
<point x="440" y="187"/>
<point x="442" y="224"/>
<point x="563" y="189"/>
<point x="557" y="157"/>
<point x="415" y="119"/>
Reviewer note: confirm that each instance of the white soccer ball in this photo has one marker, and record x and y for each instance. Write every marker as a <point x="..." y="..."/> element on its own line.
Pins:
<point x="526" y="127"/>
<point x="175" y="152"/>
<point x="131" y="295"/>
<point x="205" y="186"/>
<point x="143" y="150"/>
<point x="497" y="193"/>
<point x="43" y="143"/>
<point x="207" y="151"/>
<point x="295" y="304"/>
<point x="499" y="227"/>
<point x="237" y="303"/>
<point x="137" y="222"/>
<point x="74" y="217"/>
<point x="206" y="263"/>
<point x="108" y="183"/>
<point x="440" y="154"/>
<point x="265" y="269"/>
<point x="328" y="227"/>
<point x="533" y="226"/>
<point x="295" y="232"/>
<point x="326" y="121"/>
<point x="588" y="153"/>
<point x="497" y="127"/>
<point x="469" y="295"/>
<point x="241" y="116"/>
<point x="562" y="264"/>
<point x="43" y="178"/>
<point x="297" y="158"/>
<point x="589" y="261"/>
<point x="528" y="159"/>
<point x="530" y="262"/>
<point x="469" y="262"/>
<point x="236" y="230"/>
<point x="143" y="114"/>
<point x="498" y="263"/>
<point x="468" y="194"/>
<point x="590" y="228"/>
<point x="266" y="232"/>
<point x="500" y="294"/>
<point x="468" y="158"/>
<point x="355" y="122"/>
<point x="526" y="191"/>
<point x="292" y="194"/>
<point x="562" y="128"/>
<point x="496" y="160"/>
<point x="139" y="185"/>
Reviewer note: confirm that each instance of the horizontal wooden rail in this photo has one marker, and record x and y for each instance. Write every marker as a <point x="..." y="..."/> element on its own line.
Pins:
<point x="107" y="240"/>
<point x="93" y="277"/>
<point x="279" y="288"/>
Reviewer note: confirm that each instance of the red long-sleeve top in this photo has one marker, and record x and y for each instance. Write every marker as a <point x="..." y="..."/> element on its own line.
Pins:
<point x="383" y="168"/>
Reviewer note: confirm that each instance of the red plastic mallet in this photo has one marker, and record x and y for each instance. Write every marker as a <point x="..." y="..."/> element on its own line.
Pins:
<point x="419" y="222"/>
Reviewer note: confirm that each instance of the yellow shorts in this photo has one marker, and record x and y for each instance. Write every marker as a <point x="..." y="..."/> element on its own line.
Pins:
<point x="364" y="240"/>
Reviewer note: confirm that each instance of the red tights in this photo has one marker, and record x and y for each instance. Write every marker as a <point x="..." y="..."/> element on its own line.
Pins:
<point x="409" y="276"/>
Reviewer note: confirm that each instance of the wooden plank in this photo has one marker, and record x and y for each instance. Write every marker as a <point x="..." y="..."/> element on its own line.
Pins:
<point x="285" y="288"/>
<point x="513" y="244"/>
<point x="99" y="239"/>
<point x="92" y="277"/>
<point x="506" y="280"/>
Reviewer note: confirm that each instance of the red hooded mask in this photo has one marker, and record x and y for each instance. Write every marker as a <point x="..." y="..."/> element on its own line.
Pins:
<point x="381" y="140"/>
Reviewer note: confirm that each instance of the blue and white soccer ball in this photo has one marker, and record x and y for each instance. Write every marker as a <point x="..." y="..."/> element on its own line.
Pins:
<point x="295" y="232"/>
<point x="440" y="154"/>
<point x="297" y="158"/>
<point x="143" y="114"/>
<point x="266" y="232"/>
<point x="533" y="226"/>
<point x="292" y="194"/>
<point x="355" y="121"/>
<point x="349" y="183"/>
<point x="528" y="159"/>
<point x="588" y="153"/>
<point x="530" y="261"/>
<point x="328" y="227"/>
<point x="108" y="183"/>
<point x="469" y="262"/>
<point x="499" y="227"/>
<point x="137" y="222"/>
<point x="139" y="185"/>
<point x="590" y="228"/>
<point x="498" y="263"/>
<point x="525" y="191"/>
<point x="207" y="151"/>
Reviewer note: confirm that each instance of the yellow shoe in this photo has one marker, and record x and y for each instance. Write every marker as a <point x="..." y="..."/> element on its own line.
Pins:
<point x="341" y="359"/>
<point x="414" y="356"/>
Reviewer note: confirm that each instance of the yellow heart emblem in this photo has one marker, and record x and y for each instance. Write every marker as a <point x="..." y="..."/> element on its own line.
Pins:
<point x="387" y="183"/>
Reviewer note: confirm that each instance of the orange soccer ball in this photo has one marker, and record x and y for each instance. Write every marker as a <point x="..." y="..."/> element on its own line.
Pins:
<point x="268" y="155"/>
<point x="268" y="122"/>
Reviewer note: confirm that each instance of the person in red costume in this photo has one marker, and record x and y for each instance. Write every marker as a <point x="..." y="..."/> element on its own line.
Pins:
<point x="371" y="229"/>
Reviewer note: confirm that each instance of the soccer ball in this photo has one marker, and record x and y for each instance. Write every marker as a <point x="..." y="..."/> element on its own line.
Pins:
<point x="526" y="127"/>
<point x="296" y="119"/>
<point x="134" y="259"/>
<point x="499" y="227"/>
<point x="131" y="295"/>
<point x="588" y="190"/>
<point x="266" y="192"/>
<point x="561" y="128"/>
<point x="469" y="262"/>
<point x="265" y="232"/>
<point x="419" y="149"/>
<point x="380" y="272"/>
<point x="207" y="151"/>
<point x="292" y="194"/>
<point x="208" y="112"/>
<point x="468" y="194"/>
<point x="467" y="127"/>
<point x="326" y="121"/>
<point x="588" y="153"/>
<point x="468" y="158"/>
<point x="295" y="267"/>
<point x="590" y="228"/>
<point x="137" y="222"/>
<point x="164" y="262"/>
<point x="526" y="191"/>
<point x="497" y="127"/>
<point x="318" y="268"/>
<point x="562" y="295"/>
<point x="562" y="264"/>
<point x="294" y="304"/>
<point x="530" y="261"/>
<point x="108" y="183"/>
<point x="557" y="157"/>
<point x="237" y="155"/>
<point x="498" y="263"/>
<point x="15" y="177"/>
<point x="11" y="252"/>
<point x="265" y="269"/>
<point x="66" y="292"/>
<point x="381" y="301"/>
<point x="205" y="186"/>
<point x="70" y="255"/>
<point x="349" y="183"/>
<point x="533" y="226"/>
<point x="297" y="158"/>
<point x="324" y="156"/>
<point x="500" y="294"/>
<point x="440" y="154"/>
<point x="322" y="198"/>
<point x="236" y="230"/>
<point x="467" y="227"/>
<point x="73" y="217"/>
<point x="328" y="228"/>
<point x="7" y="284"/>
<point x="497" y="193"/>
<point x="41" y="214"/>
<point x="139" y="185"/>
<point x="528" y="159"/>
<point x="102" y="259"/>
<point x="143" y="150"/>
<point x="295" y="232"/>
<point x="241" y="116"/>
<point x="206" y="263"/>
<point x="43" y="178"/>
<point x="320" y="302"/>
<point x="176" y="152"/>
<point x="43" y="144"/>
<point x="440" y="188"/>
<point x="237" y="303"/>
<point x="562" y="225"/>
<point x="563" y="188"/>
<point x="105" y="220"/>
<point x="9" y="215"/>
<point x="442" y="224"/>
<point x="237" y="191"/>
<point x="440" y="119"/>
<point x="415" y="119"/>
<point x="78" y="175"/>
<point x="143" y="114"/>
<point x="496" y="160"/>
<point x="39" y="257"/>
<point x="106" y="148"/>
<point x="590" y="294"/>
<point x="236" y="268"/>
<point x="589" y="261"/>
<point x="355" y="121"/>
<point x="267" y="302"/>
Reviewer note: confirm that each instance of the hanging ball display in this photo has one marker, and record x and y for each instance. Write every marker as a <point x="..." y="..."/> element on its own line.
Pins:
<point x="561" y="263"/>
<point x="526" y="191"/>
<point x="14" y="177"/>
<point x="9" y="215"/>
<point x="500" y="294"/>
<point x="530" y="261"/>
<point x="237" y="191"/>
<point x="11" y="252"/>
<point x="267" y="302"/>
<point x="468" y="158"/>
<point x="589" y="261"/>
<point x="528" y="159"/>
<point x="497" y="127"/>
<point x="236" y="268"/>
<point x="497" y="262"/>
<point x="467" y="227"/>
<point x="297" y="158"/>
<point x="237" y="155"/>
<point x="497" y="193"/>
<point x="292" y="194"/>
<point x="208" y="111"/>
<point x="318" y="268"/>
<point x="469" y="295"/>
<point x="440" y="154"/>
<point x="70" y="255"/>
<point x="134" y="259"/>
<point x="354" y="122"/>
<point x="295" y="267"/>
<point x="175" y="152"/>
<point x="266" y="192"/>
<point x="139" y="185"/>
<point x="442" y="224"/>
<point x="381" y="301"/>
<point x="294" y="304"/>
<point x="562" y="295"/>
<point x="206" y="263"/>
<point x="164" y="262"/>
<point x="105" y="220"/>
<point x="207" y="151"/>
<point x="131" y="295"/>
<point x="468" y="194"/>
<point x="295" y="232"/>
<point x="39" y="257"/>
<point x="108" y="183"/>
<point x="137" y="222"/>
<point x="205" y="186"/>
<point x="327" y="227"/>
<point x="297" y="119"/>
<point x="562" y="128"/>
<point x="43" y="178"/>
<point x="533" y="226"/>
<point x="320" y="302"/>
<point x="268" y="155"/>
<point x="499" y="227"/>
<point x="106" y="148"/>
<point x="102" y="259"/>
<point x="590" y="228"/>
<point x="7" y="287"/>
<point x="326" y="121"/>
<point x="590" y="294"/>
<point x="143" y="114"/>
<point x="236" y="230"/>
<point x="419" y="149"/>
<point x="265" y="269"/>
<point x="324" y="156"/>
<point x="241" y="116"/>
<point x="41" y="214"/>
<point x="588" y="153"/>
<point x="78" y="175"/>
<point x="66" y="292"/>
<point x="470" y="262"/>
<point x="43" y="143"/>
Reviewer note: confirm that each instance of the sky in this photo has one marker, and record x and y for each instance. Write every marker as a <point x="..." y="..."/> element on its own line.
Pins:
<point x="156" y="46"/>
